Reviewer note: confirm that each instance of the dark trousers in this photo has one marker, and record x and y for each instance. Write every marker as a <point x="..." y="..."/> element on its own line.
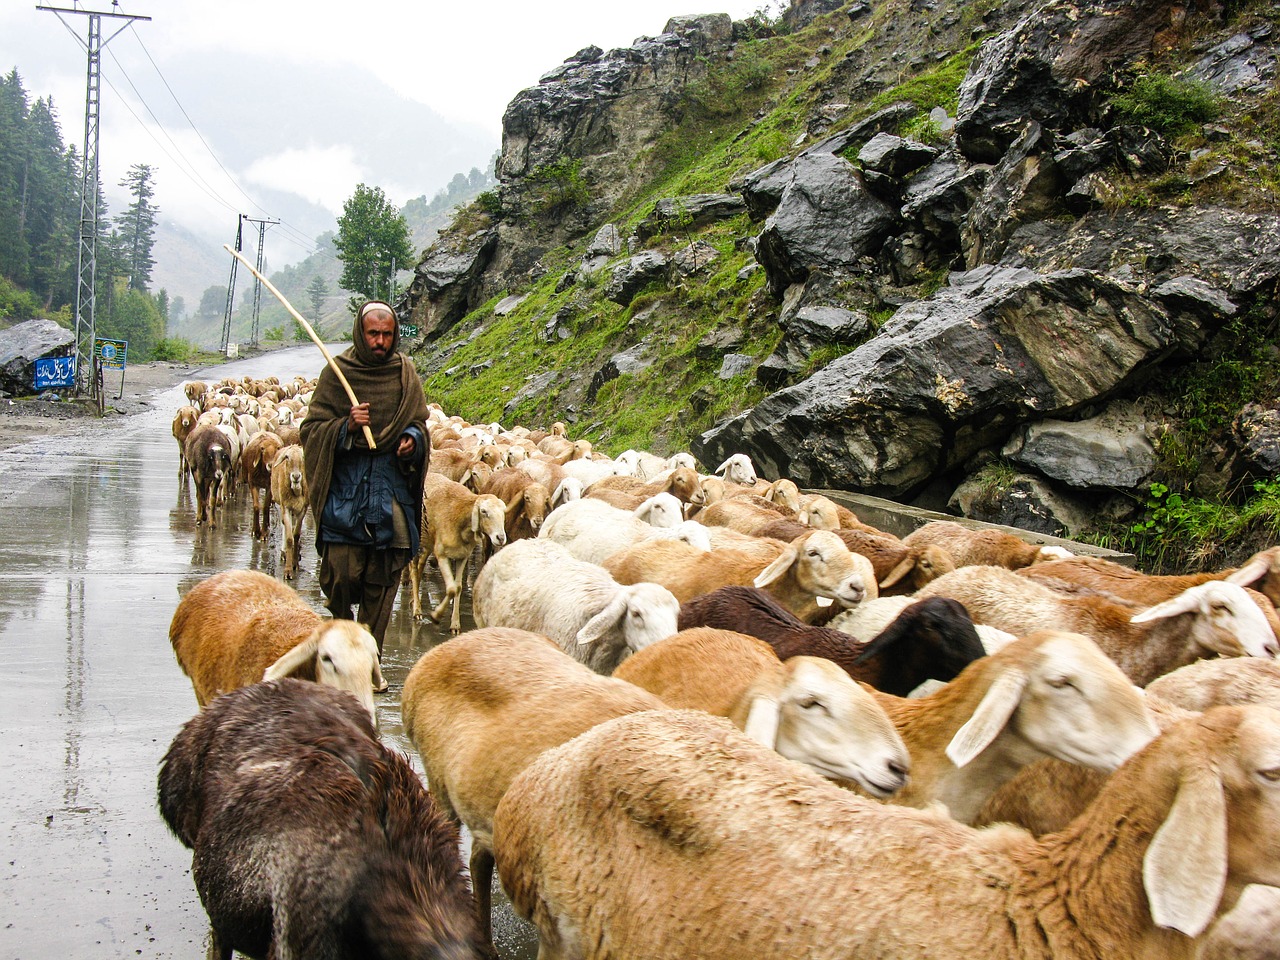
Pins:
<point x="363" y="577"/>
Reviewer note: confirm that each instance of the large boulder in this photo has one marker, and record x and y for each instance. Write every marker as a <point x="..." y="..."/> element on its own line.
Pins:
<point x="1110" y="450"/>
<point x="444" y="288"/>
<point x="811" y="329"/>
<point x="951" y="375"/>
<point x="1024" y="186"/>
<point x="826" y="219"/>
<point x="25" y="343"/>
<point x="689" y="212"/>
<point x="1054" y="65"/>
<point x="633" y="274"/>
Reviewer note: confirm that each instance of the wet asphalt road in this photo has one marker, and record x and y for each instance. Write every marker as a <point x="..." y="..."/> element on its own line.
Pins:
<point x="100" y="543"/>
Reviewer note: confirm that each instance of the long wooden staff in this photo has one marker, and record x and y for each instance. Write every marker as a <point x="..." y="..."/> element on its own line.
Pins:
<point x="368" y="434"/>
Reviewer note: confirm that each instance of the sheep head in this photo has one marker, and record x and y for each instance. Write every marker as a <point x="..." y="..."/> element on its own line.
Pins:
<point x="738" y="469"/>
<point x="643" y="613"/>
<point x="339" y="653"/>
<point x="1059" y="695"/>
<point x="820" y="513"/>
<point x="488" y="515"/>
<point x="815" y="714"/>
<point x="823" y="566"/>
<point x="1224" y="822"/>
<point x="1223" y="620"/>
<point x="660" y="510"/>
<point x="685" y="486"/>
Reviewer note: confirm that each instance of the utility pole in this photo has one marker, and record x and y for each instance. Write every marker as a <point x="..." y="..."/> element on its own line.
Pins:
<point x="87" y="259"/>
<point x="231" y="287"/>
<point x="257" y="284"/>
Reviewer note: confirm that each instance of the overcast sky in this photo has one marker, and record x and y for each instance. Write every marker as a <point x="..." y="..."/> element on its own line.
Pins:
<point x="298" y="101"/>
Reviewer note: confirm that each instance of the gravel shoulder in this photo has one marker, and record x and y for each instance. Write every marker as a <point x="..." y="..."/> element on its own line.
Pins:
<point x="24" y="420"/>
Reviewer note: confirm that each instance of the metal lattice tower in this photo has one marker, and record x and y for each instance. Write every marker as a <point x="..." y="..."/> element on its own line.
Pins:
<point x="87" y="258"/>
<point x="257" y="284"/>
<point x="231" y="287"/>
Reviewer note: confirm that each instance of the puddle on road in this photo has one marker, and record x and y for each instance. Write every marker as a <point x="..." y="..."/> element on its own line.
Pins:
<point x="101" y="544"/>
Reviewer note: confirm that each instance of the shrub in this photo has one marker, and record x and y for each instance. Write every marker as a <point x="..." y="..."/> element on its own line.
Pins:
<point x="1167" y="104"/>
<point x="174" y="349"/>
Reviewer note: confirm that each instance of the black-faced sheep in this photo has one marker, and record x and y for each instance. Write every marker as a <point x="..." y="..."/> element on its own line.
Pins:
<point x="209" y="457"/>
<point x="933" y="639"/>
<point x="311" y="839"/>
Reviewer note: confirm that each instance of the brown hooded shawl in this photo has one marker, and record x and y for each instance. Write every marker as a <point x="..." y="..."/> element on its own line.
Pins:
<point x="396" y="402"/>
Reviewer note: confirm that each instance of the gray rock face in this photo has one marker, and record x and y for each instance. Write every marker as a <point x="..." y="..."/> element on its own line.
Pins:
<point x="444" y="283"/>
<point x="25" y="343"/>
<point x="1257" y="431"/>
<point x="1024" y="186"/>
<point x="809" y="330"/>
<point x="1111" y="450"/>
<point x="507" y="304"/>
<point x="1240" y="64"/>
<point x="633" y="360"/>
<point x="1050" y="67"/>
<point x="536" y="384"/>
<point x="1026" y="503"/>
<point x="631" y="276"/>
<point x="606" y="243"/>
<point x="696" y="256"/>
<point x="950" y="375"/>
<point x="825" y="220"/>
<point x="735" y="365"/>
<point x="894" y="156"/>
<point x="691" y="212"/>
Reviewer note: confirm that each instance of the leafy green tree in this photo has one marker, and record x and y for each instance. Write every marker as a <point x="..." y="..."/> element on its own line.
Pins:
<point x="213" y="302"/>
<point x="137" y="226"/>
<point x="372" y="235"/>
<point x="135" y="317"/>
<point x="317" y="290"/>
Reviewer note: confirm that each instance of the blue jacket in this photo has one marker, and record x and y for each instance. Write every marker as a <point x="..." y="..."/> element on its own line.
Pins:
<point x="362" y="489"/>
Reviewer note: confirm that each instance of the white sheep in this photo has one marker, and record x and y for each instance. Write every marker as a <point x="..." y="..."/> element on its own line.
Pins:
<point x="808" y="709"/>
<point x="289" y="493"/>
<point x="538" y="585"/>
<point x="669" y="834"/>
<point x="240" y="626"/>
<point x="1050" y="694"/>
<point x="738" y="469"/>
<point x="481" y="707"/>
<point x="591" y="529"/>
<point x="1211" y="618"/>
<point x="815" y="565"/>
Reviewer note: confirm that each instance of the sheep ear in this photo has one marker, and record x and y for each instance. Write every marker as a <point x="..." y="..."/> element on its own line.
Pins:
<point x="466" y="477"/>
<point x="723" y="467"/>
<point x="303" y="653"/>
<point x="898" y="572"/>
<point x="1257" y="568"/>
<point x="1184" y="602"/>
<point x="475" y="518"/>
<point x="778" y="568"/>
<point x="993" y="713"/>
<point x="762" y="721"/>
<point x="1185" y="869"/>
<point x="603" y="622"/>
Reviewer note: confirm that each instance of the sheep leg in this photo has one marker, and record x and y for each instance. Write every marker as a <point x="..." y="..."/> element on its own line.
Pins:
<point x="450" y="587"/>
<point x="455" y="624"/>
<point x="482" y="888"/>
<point x="295" y="541"/>
<point x="217" y="950"/>
<point x="287" y="529"/>
<point x="257" y="524"/>
<point x="416" y="566"/>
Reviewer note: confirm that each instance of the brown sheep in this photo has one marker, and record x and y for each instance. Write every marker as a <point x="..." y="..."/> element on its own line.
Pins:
<point x="970" y="547"/>
<point x="240" y="627"/>
<point x="311" y="839"/>
<point x="255" y="467"/>
<point x="683" y="484"/>
<point x="209" y="457"/>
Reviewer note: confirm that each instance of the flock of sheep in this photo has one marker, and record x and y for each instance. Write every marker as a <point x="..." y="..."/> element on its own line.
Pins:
<point x="713" y="716"/>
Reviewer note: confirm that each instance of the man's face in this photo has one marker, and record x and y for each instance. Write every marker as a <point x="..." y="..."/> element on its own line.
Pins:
<point x="379" y="333"/>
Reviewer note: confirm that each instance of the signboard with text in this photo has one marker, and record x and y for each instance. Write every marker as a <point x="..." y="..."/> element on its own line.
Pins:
<point x="112" y="353"/>
<point x="408" y="330"/>
<point x="55" y="372"/>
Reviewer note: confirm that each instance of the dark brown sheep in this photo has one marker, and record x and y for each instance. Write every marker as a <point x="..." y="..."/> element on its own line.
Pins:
<point x="209" y="457"/>
<point x="311" y="839"/>
<point x="928" y="641"/>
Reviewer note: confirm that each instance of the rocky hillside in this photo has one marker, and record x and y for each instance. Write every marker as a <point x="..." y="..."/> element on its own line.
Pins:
<point x="1015" y="258"/>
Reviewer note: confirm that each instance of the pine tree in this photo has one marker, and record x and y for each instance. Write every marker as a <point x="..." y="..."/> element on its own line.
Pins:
<point x="317" y="290"/>
<point x="137" y="226"/>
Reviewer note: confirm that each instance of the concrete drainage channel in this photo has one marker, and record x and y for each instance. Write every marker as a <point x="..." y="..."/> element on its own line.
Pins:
<point x="900" y="519"/>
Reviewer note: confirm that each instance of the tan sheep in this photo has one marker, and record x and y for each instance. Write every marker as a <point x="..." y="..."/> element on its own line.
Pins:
<point x="627" y="493"/>
<point x="240" y="627"/>
<point x="669" y="834"/>
<point x="289" y="491"/>
<point x="453" y="521"/>
<point x="255" y="466"/>
<point x="808" y="709"/>
<point x="969" y="547"/>
<point x="183" y="423"/>
<point x="481" y="707"/>
<point x="817" y="564"/>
